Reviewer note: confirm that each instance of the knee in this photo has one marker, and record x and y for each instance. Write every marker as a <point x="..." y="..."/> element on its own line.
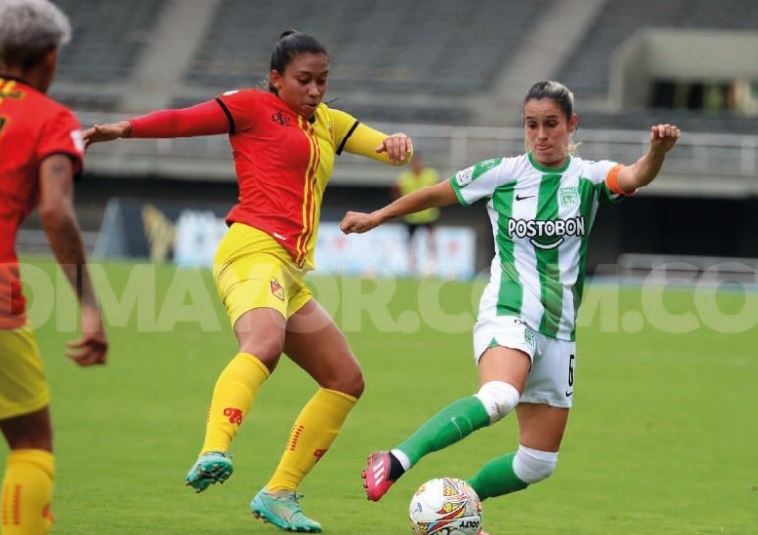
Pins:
<point x="499" y="398"/>
<point x="29" y="432"/>
<point x="531" y="465"/>
<point x="348" y="382"/>
<point x="353" y="384"/>
<point x="355" y="387"/>
<point x="267" y="350"/>
<point x="33" y="439"/>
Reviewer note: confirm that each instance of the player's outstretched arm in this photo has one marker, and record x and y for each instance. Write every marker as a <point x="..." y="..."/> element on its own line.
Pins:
<point x="441" y="194"/>
<point x="204" y="119"/>
<point x="395" y="149"/>
<point x="663" y="137"/>
<point x="107" y="132"/>
<point x="56" y="210"/>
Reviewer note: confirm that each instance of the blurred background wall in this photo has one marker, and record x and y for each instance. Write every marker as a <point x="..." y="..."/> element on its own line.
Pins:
<point x="450" y="73"/>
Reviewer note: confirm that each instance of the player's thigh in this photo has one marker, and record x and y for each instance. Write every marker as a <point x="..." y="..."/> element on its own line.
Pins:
<point x="504" y="364"/>
<point x="541" y="427"/>
<point x="261" y="332"/>
<point x="503" y="347"/>
<point x="256" y="284"/>
<point x="551" y="379"/>
<point x="23" y="387"/>
<point x="316" y="344"/>
<point x="29" y="431"/>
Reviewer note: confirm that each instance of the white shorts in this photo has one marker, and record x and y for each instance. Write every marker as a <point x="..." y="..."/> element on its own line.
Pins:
<point x="551" y="377"/>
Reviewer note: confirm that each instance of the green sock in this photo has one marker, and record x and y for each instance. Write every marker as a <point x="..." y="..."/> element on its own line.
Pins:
<point x="497" y="478"/>
<point x="451" y="424"/>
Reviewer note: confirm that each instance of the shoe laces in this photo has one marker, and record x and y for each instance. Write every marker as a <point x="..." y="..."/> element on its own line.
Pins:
<point x="286" y="496"/>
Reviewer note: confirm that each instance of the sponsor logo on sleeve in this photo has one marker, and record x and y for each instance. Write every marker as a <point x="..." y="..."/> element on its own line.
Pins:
<point x="463" y="178"/>
<point x="484" y="166"/>
<point x="77" y="140"/>
<point x="472" y="173"/>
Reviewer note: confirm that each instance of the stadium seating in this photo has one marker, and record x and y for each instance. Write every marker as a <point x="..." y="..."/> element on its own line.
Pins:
<point x="429" y="62"/>
<point x="108" y="38"/>
<point x="458" y="47"/>
<point x="587" y="70"/>
<point x="691" y="121"/>
<point x="371" y="48"/>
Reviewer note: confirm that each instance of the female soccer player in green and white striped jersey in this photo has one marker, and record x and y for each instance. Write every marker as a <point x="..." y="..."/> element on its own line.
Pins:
<point x="542" y="205"/>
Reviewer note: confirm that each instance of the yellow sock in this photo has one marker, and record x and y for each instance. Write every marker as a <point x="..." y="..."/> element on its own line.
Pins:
<point x="314" y="431"/>
<point x="27" y="492"/>
<point x="232" y="399"/>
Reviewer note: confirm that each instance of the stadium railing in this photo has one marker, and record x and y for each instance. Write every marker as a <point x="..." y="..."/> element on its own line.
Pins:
<point x="687" y="269"/>
<point x="34" y="241"/>
<point x="690" y="169"/>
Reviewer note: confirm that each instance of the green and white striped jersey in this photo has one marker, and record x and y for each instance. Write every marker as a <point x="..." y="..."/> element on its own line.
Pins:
<point x="541" y="220"/>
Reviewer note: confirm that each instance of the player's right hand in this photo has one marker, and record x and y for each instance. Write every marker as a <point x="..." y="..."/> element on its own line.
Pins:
<point x="106" y="132"/>
<point x="357" y="222"/>
<point x="92" y="347"/>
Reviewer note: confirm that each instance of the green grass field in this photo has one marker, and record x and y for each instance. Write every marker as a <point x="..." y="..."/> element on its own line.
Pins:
<point x="662" y="438"/>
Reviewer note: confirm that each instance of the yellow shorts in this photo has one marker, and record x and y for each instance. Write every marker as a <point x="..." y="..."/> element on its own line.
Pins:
<point x="252" y="270"/>
<point x="23" y="388"/>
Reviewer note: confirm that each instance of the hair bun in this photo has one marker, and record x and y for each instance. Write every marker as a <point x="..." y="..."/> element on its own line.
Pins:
<point x="286" y="34"/>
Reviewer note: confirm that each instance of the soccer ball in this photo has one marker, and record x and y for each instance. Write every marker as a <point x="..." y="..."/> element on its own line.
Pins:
<point x="445" y="506"/>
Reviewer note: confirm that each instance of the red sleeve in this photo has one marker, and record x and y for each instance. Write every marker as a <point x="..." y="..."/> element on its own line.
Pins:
<point x="61" y="134"/>
<point x="203" y="119"/>
<point x="242" y="108"/>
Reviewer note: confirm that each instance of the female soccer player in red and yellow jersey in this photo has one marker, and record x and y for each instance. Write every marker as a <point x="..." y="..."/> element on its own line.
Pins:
<point x="41" y="151"/>
<point x="284" y="143"/>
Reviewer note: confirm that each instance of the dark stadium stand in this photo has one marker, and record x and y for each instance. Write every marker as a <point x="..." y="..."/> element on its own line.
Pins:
<point x="424" y="63"/>
<point x="416" y="50"/>
<point x="693" y="121"/>
<point x="108" y="38"/>
<point x="403" y="65"/>
<point x="457" y="47"/>
<point x="587" y="70"/>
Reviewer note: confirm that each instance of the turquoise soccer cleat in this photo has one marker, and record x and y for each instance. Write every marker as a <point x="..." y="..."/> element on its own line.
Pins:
<point x="211" y="467"/>
<point x="283" y="510"/>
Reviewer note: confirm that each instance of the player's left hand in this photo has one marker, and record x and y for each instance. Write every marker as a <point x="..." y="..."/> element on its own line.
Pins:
<point x="106" y="132"/>
<point x="663" y="137"/>
<point x="357" y="222"/>
<point x="92" y="347"/>
<point x="397" y="146"/>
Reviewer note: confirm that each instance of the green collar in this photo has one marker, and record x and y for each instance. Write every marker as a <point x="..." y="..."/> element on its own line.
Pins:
<point x="544" y="169"/>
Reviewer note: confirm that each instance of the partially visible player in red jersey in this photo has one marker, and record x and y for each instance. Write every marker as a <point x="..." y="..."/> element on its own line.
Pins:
<point x="284" y="143"/>
<point x="41" y="151"/>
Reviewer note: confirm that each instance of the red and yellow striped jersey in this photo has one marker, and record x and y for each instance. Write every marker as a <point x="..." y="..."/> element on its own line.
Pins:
<point x="284" y="162"/>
